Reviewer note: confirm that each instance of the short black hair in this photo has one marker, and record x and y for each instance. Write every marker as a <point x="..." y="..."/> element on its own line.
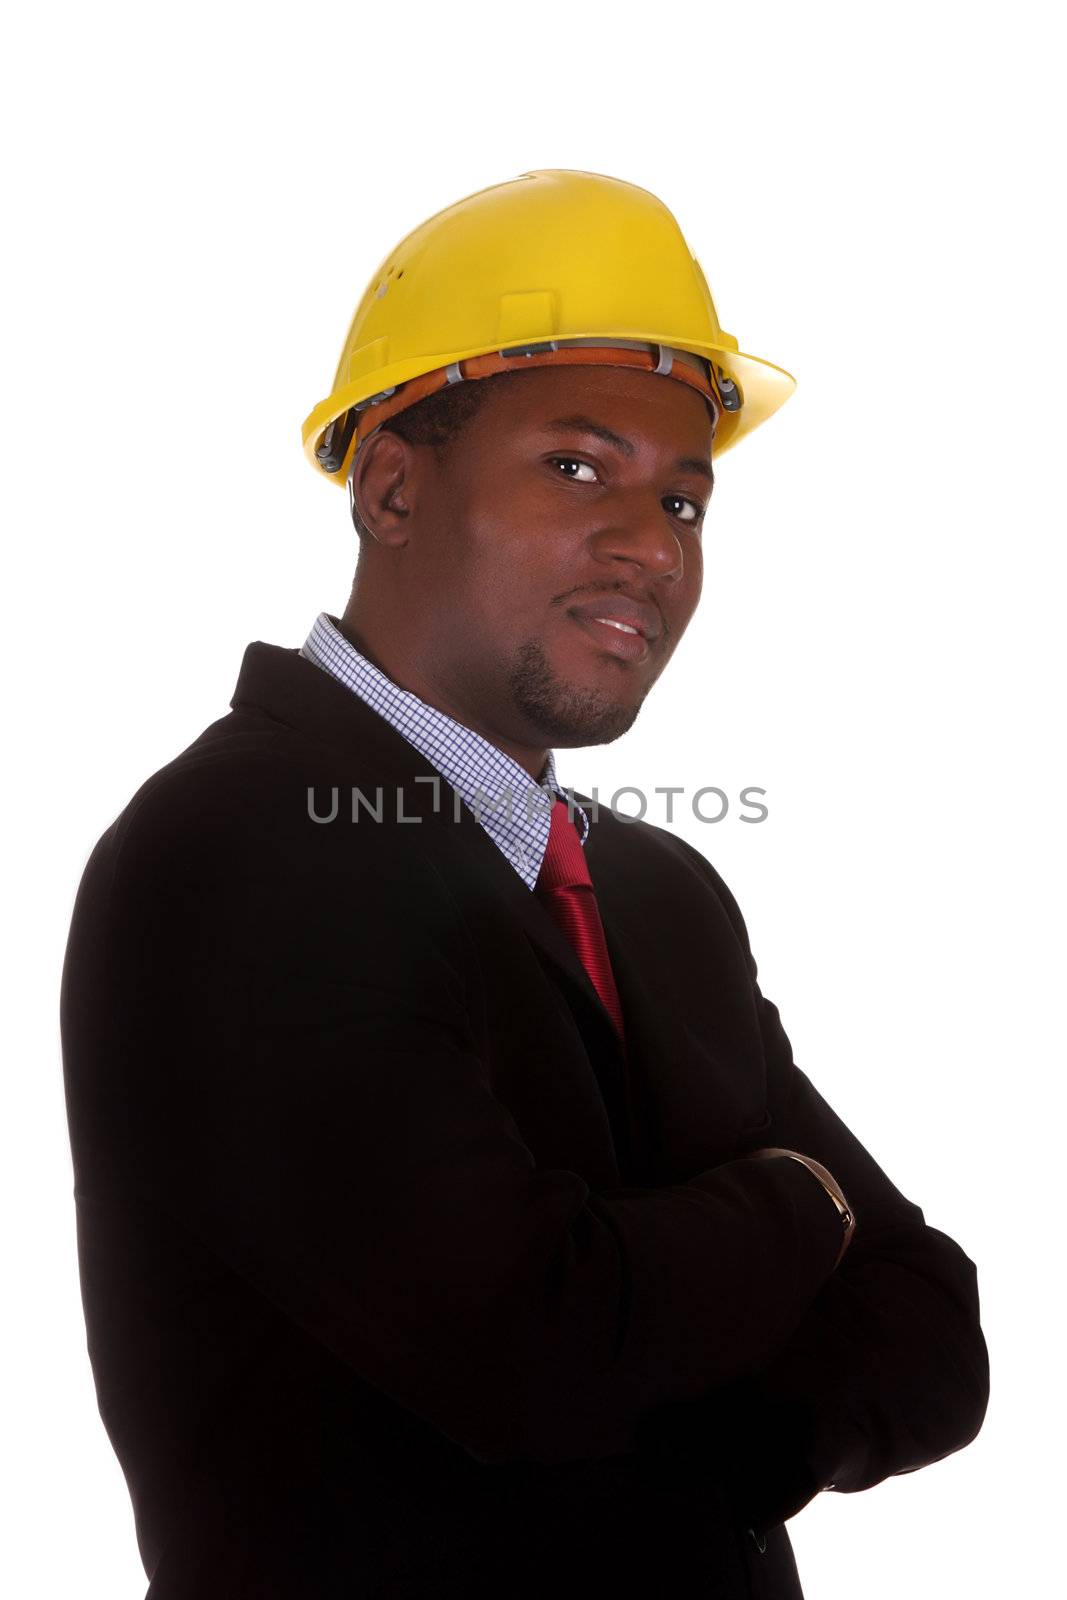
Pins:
<point x="439" y="419"/>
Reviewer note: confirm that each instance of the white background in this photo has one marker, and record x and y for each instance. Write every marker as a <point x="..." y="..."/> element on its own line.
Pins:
<point x="194" y="200"/>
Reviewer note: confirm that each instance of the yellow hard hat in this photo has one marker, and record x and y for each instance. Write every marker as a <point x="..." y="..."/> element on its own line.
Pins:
<point x="555" y="266"/>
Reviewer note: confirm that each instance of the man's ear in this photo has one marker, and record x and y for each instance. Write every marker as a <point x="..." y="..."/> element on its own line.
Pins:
<point x="382" y="487"/>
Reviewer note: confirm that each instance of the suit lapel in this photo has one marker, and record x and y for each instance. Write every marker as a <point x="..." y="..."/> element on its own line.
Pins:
<point x="496" y="905"/>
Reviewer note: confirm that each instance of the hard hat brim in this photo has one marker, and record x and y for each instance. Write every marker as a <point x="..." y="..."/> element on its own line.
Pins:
<point x="764" y="387"/>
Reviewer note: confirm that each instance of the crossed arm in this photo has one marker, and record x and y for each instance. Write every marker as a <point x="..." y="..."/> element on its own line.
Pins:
<point x="886" y="1371"/>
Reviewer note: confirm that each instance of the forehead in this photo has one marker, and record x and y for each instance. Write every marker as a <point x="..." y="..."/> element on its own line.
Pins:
<point x="637" y="405"/>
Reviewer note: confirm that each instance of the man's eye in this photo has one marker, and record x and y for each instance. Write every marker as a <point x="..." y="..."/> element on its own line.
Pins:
<point x="571" y="461"/>
<point x="697" y="511"/>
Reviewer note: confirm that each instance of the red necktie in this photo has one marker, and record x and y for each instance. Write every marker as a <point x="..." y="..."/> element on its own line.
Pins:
<point x="565" y="889"/>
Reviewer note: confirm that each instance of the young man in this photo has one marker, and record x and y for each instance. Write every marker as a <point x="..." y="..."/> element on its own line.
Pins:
<point x="453" y="1217"/>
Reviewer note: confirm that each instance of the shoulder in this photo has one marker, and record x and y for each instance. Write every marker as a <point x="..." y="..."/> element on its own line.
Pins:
<point x="655" y="856"/>
<point x="238" y="809"/>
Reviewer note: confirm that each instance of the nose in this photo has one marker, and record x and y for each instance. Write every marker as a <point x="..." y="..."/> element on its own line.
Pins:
<point x="646" y="538"/>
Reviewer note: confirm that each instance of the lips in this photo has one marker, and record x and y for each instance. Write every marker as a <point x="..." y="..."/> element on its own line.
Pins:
<point x="616" y="641"/>
<point x="633" y="614"/>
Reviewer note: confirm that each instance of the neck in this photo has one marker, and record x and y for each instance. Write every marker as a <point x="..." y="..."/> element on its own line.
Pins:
<point x="531" y="758"/>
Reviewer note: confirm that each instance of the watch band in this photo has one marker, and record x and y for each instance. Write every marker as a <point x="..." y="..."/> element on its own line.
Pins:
<point x="817" y="1170"/>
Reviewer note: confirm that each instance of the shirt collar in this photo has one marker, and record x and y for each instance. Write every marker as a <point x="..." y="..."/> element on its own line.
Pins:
<point x="495" y="787"/>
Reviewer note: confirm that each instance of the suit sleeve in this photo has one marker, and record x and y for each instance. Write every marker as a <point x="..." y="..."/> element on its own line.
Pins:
<point x="281" y="1043"/>
<point x="886" y="1371"/>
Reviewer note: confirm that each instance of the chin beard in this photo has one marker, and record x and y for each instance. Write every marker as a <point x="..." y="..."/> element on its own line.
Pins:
<point x="564" y="714"/>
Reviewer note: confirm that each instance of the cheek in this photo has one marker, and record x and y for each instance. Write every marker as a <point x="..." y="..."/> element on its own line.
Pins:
<point x="693" y="570"/>
<point x="517" y="560"/>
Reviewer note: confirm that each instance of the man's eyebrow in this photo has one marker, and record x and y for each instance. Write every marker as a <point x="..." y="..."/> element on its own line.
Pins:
<point x="579" y="424"/>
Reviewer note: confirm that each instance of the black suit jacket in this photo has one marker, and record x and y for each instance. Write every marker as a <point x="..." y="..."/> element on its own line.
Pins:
<point x="398" y="1280"/>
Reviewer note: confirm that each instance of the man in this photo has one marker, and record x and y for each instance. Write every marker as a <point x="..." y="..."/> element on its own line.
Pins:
<point x="452" y="1216"/>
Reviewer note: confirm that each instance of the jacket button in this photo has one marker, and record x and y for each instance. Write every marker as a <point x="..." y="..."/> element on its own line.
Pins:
<point x="758" y="1539"/>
